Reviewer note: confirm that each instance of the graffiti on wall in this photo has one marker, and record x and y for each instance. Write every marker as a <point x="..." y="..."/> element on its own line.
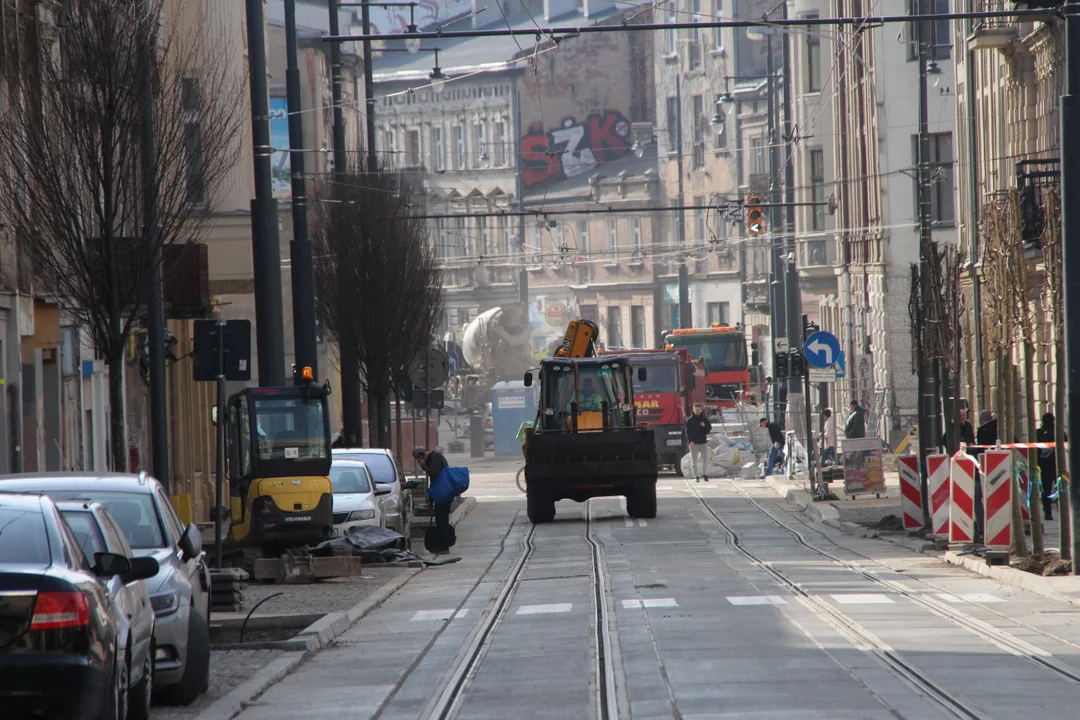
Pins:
<point x="574" y="148"/>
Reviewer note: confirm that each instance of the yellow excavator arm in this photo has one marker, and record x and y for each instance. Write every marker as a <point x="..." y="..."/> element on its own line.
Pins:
<point x="579" y="340"/>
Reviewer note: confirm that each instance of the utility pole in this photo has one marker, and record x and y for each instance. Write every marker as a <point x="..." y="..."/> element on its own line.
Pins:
<point x="369" y="85"/>
<point x="265" y="245"/>
<point x="778" y="311"/>
<point x="1070" y="212"/>
<point x="523" y="273"/>
<point x="927" y="409"/>
<point x="305" y="351"/>
<point x="793" y="296"/>
<point x="685" y="321"/>
<point x="155" y="307"/>
<point x="352" y="421"/>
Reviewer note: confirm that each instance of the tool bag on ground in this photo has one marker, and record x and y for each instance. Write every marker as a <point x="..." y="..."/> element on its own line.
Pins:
<point x="450" y="483"/>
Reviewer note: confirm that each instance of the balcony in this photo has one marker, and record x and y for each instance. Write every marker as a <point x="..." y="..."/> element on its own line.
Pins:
<point x="992" y="33"/>
<point x="817" y="258"/>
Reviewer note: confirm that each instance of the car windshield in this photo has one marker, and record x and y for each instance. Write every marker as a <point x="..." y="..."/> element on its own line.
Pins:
<point x="660" y="377"/>
<point x="23" y="538"/>
<point x="86" y="531"/>
<point x="291" y="428"/>
<point x="380" y="466"/>
<point x="720" y="352"/>
<point x="134" y="512"/>
<point x="349" y="479"/>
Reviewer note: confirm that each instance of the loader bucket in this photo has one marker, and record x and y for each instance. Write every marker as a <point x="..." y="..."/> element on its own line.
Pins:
<point x="579" y="465"/>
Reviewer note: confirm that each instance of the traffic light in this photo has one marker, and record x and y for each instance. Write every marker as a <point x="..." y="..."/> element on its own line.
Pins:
<point x="755" y="221"/>
<point x="809" y="328"/>
<point x="798" y="364"/>
<point x="780" y="365"/>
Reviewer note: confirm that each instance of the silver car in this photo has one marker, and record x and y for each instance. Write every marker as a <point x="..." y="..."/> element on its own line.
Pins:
<point x="179" y="593"/>
<point x="397" y="506"/>
<point x="97" y="532"/>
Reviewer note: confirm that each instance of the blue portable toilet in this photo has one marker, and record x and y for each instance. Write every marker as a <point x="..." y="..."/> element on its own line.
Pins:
<point x="511" y="404"/>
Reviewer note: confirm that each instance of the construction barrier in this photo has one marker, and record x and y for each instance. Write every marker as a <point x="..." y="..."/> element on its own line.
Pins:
<point x="938" y="471"/>
<point x="1021" y="470"/>
<point x="910" y="494"/>
<point x="962" y="499"/>
<point x="998" y="499"/>
<point x="1016" y="446"/>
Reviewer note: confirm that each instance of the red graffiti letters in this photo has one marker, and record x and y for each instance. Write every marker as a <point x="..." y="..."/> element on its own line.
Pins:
<point x="574" y="148"/>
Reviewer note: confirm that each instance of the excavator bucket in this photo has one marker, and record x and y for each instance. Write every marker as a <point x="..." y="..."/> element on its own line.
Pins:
<point x="584" y="464"/>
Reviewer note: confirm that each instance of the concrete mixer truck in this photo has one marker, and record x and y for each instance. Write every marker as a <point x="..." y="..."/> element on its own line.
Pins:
<point x="496" y="345"/>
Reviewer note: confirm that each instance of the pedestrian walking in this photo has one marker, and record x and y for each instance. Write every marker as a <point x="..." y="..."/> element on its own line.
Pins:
<point x="987" y="432"/>
<point x="828" y="437"/>
<point x="855" y="427"/>
<point x="433" y="463"/>
<point x="1047" y="463"/>
<point x="776" y="452"/>
<point x="698" y="428"/>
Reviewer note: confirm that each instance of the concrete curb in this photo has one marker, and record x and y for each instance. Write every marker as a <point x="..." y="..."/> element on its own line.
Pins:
<point x="311" y="639"/>
<point x="466" y="507"/>
<point x="1038" y="584"/>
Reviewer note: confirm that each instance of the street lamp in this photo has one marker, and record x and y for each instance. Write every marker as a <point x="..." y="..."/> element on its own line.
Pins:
<point x="718" y="117"/>
<point x="932" y="68"/>
<point x="436" y="72"/>
<point x="412" y="44"/>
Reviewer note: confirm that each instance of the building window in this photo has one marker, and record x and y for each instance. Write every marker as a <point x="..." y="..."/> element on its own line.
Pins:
<point x="673" y="124"/>
<point x="717" y="313"/>
<point x="485" y="236"/>
<point x="457" y="134"/>
<point x="480" y="135"/>
<point x="446" y="241"/>
<point x="699" y="132"/>
<point x="817" y="187"/>
<point x="192" y="138"/>
<point x="939" y="172"/>
<point x="700" y="229"/>
<point x="614" y="327"/>
<point x="670" y="33"/>
<point x="583" y="250"/>
<point x="718" y="33"/>
<point x="503" y="241"/>
<point x="695" y="35"/>
<point x="501" y="144"/>
<point x="637" y="325"/>
<point x="438" y="152"/>
<point x="612" y="238"/>
<point x="935" y="34"/>
<point x="757" y="155"/>
<point x="412" y="148"/>
<point x="635" y="234"/>
<point x="813" y="60"/>
<point x="719" y="134"/>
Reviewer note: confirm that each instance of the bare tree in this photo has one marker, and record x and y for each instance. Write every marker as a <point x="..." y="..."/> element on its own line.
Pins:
<point x="1055" y="304"/>
<point x="71" y="186"/>
<point x="377" y="278"/>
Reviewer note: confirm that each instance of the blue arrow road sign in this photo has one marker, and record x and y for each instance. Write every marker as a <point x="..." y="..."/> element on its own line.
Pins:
<point x="822" y="349"/>
<point x="451" y="361"/>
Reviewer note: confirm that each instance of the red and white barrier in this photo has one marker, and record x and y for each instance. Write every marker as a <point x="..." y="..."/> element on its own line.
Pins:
<point x="998" y="499"/>
<point x="910" y="493"/>
<point x="1020" y="461"/>
<point x="962" y="499"/>
<point x="938" y="470"/>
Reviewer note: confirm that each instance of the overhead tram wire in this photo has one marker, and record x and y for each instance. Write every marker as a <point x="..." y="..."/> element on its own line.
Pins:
<point x="556" y="32"/>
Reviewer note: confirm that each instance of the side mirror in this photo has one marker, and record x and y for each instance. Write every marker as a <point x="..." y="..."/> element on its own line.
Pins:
<point x="213" y="416"/>
<point x="528" y="379"/>
<point x="190" y="543"/>
<point x="642" y="374"/>
<point x="410" y="484"/>
<point x="142" y="568"/>
<point x="383" y="489"/>
<point x="110" y="564"/>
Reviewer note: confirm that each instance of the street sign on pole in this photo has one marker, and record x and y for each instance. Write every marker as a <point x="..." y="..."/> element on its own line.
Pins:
<point x="781" y="344"/>
<point x="822" y="349"/>
<point x="452" y="362"/>
<point x="431" y="373"/>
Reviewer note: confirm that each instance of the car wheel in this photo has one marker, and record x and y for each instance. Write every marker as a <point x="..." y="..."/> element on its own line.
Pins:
<point x="116" y="708"/>
<point x="196" y="677"/>
<point x="139" y="698"/>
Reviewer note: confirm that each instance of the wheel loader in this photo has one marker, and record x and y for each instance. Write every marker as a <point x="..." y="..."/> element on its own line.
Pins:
<point x="585" y="442"/>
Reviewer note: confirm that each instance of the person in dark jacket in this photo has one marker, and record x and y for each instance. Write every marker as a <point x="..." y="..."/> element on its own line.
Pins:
<point x="855" y="427"/>
<point x="986" y="433"/>
<point x="776" y="451"/>
<point x="967" y="432"/>
<point x="698" y="428"/>
<point x="1047" y="463"/>
<point x="432" y="462"/>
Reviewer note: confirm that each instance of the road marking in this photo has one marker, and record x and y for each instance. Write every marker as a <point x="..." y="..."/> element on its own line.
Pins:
<point x="863" y="599"/>
<point x="434" y="614"/>
<point x="461" y="613"/>
<point x="544" y="609"/>
<point x="641" y="523"/>
<point x="650" y="603"/>
<point x="630" y="522"/>
<point x="757" y="600"/>
<point x="971" y="598"/>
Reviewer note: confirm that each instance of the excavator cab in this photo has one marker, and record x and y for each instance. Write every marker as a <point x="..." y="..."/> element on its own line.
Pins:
<point x="279" y="466"/>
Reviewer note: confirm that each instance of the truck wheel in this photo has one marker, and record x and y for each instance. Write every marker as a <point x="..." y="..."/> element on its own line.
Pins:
<point x="641" y="502"/>
<point x="677" y="465"/>
<point x="540" y="506"/>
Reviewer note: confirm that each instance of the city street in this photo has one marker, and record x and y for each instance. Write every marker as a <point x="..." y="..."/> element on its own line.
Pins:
<point x="728" y="604"/>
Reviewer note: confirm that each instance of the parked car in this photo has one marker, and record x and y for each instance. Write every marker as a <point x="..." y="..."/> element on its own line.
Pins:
<point x="63" y="654"/>
<point x="179" y="593"/>
<point x="397" y="507"/>
<point x="355" y="495"/>
<point x="96" y="531"/>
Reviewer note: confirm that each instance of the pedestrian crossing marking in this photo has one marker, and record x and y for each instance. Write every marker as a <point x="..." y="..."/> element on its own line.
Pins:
<point x="970" y="597"/>
<point x="650" y="603"/>
<point x="863" y="599"/>
<point x="544" y="609"/>
<point x="434" y="614"/>
<point x="756" y="600"/>
<point x="630" y="522"/>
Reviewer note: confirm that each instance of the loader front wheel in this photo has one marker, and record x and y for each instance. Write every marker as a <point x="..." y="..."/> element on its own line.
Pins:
<point x="641" y="502"/>
<point x="540" y="506"/>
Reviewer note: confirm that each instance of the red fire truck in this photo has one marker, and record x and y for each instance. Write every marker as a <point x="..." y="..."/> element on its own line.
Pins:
<point x="666" y="397"/>
<point x="723" y="349"/>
